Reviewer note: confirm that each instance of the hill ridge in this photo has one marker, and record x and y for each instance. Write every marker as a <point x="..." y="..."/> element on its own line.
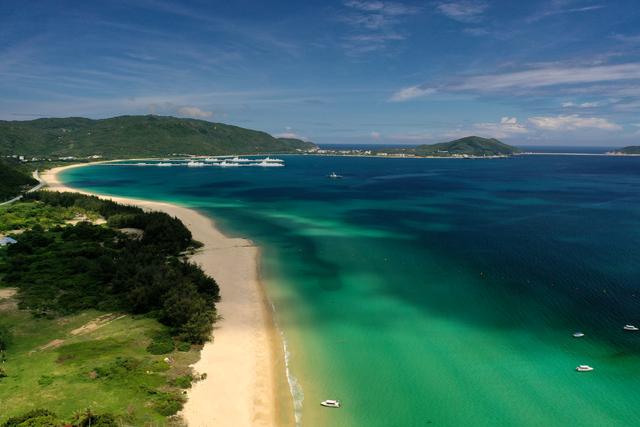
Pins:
<point x="137" y="136"/>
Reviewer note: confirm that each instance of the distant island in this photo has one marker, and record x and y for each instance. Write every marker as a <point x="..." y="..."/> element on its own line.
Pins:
<point x="467" y="147"/>
<point x="470" y="146"/>
<point x="76" y="138"/>
<point x="632" y="150"/>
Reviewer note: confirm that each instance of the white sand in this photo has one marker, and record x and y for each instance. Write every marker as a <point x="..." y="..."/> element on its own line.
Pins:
<point x="241" y="362"/>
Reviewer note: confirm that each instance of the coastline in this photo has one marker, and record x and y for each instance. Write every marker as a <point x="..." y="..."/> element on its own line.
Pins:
<point x="244" y="360"/>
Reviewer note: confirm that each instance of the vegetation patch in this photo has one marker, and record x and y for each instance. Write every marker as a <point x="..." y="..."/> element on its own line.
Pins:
<point x="63" y="270"/>
<point x="95" y="325"/>
<point x="161" y="343"/>
<point x="13" y="181"/>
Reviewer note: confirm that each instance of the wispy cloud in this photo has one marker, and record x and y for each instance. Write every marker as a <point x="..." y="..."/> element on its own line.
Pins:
<point x="467" y="11"/>
<point x="411" y="92"/>
<point x="373" y="24"/>
<point x="258" y="36"/>
<point x="572" y="122"/>
<point x="560" y="7"/>
<point x="527" y="80"/>
<point x="551" y="76"/>
<point x="627" y="38"/>
<point x="571" y="104"/>
<point x="289" y="132"/>
<point x="507" y="126"/>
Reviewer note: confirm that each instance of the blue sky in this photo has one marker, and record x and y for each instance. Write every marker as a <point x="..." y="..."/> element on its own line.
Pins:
<point x="563" y="72"/>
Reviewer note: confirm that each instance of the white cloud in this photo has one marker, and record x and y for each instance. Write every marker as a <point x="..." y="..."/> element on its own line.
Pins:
<point x="506" y="127"/>
<point x="375" y="135"/>
<point x="572" y="122"/>
<point x="569" y="79"/>
<point x="194" y="112"/>
<point x="582" y="105"/>
<point x="550" y="76"/>
<point x="558" y="7"/>
<point x="463" y="11"/>
<point x="290" y="133"/>
<point x="374" y="24"/>
<point x="411" y="92"/>
<point x="382" y="7"/>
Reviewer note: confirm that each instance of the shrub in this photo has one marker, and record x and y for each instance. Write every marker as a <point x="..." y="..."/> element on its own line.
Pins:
<point x="183" y="381"/>
<point x="184" y="346"/>
<point x="168" y="405"/>
<point x="5" y="338"/>
<point x="161" y="344"/>
<point x="45" y="380"/>
<point x="34" y="418"/>
<point x="121" y="367"/>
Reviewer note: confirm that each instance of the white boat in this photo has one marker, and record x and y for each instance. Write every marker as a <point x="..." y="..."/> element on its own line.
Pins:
<point x="240" y="159"/>
<point x="226" y="164"/>
<point x="141" y="164"/>
<point x="334" y="175"/>
<point x="630" y="328"/>
<point x="195" y="164"/>
<point x="584" y="368"/>
<point x="330" y="403"/>
<point x="211" y="159"/>
<point x="578" y="335"/>
<point x="266" y="164"/>
<point x="164" y="164"/>
<point x="269" y="159"/>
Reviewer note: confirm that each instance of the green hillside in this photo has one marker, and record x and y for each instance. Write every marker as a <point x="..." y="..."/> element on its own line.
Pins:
<point x="633" y="149"/>
<point x="136" y="136"/>
<point x="13" y="182"/>
<point x="470" y="146"/>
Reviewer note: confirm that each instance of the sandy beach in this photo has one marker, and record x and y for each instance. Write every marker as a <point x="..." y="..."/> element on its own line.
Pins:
<point x="243" y="360"/>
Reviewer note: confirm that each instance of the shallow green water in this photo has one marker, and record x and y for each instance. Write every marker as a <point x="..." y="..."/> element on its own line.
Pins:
<point x="437" y="292"/>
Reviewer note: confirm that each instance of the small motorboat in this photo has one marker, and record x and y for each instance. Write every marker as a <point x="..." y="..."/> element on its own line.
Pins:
<point x="330" y="403"/>
<point x="630" y="328"/>
<point x="584" y="368"/>
<point x="578" y="334"/>
<point x="334" y="175"/>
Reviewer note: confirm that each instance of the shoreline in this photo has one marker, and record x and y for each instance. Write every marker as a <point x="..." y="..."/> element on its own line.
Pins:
<point x="244" y="359"/>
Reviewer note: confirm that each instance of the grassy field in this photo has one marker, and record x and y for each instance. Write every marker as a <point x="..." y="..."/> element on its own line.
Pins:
<point x="26" y="215"/>
<point x="89" y="360"/>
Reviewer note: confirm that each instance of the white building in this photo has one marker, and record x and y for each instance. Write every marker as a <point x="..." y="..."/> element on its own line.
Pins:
<point x="7" y="241"/>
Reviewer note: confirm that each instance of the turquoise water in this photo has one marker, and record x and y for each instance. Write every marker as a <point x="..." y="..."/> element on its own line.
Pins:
<point x="437" y="291"/>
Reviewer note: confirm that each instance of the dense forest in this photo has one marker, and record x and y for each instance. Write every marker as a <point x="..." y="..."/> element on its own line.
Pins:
<point x="136" y="136"/>
<point x="13" y="181"/>
<point x="65" y="269"/>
